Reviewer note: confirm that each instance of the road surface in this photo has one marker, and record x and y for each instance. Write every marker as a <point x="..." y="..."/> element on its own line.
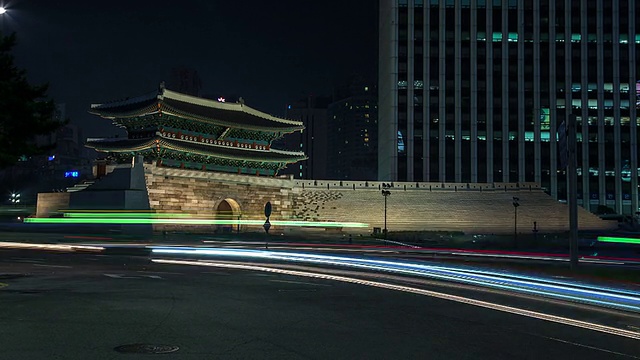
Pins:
<point x="83" y="306"/>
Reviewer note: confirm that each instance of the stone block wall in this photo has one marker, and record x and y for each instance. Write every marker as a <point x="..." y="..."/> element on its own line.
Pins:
<point x="51" y="203"/>
<point x="471" y="208"/>
<point x="200" y="193"/>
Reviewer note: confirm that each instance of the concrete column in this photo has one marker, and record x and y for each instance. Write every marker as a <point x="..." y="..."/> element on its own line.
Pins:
<point x="633" y="114"/>
<point x="584" y="84"/>
<point x="568" y="80"/>
<point x="617" y="143"/>
<point x="409" y="142"/>
<point x="489" y="90"/>
<point x="426" y="109"/>
<point x="442" y="94"/>
<point x="601" y="138"/>
<point x="458" y="93"/>
<point x="553" y="112"/>
<point x="505" y="91"/>
<point x="474" y="92"/>
<point x="536" y="93"/>
<point x="521" y="106"/>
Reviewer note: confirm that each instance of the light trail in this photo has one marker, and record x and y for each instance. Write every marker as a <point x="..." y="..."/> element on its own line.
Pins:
<point x="408" y="289"/>
<point x="623" y="240"/>
<point x="54" y="247"/>
<point x="188" y="221"/>
<point x="564" y="290"/>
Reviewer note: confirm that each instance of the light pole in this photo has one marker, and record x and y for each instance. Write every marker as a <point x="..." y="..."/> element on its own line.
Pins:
<point x="515" y="220"/>
<point x="385" y="193"/>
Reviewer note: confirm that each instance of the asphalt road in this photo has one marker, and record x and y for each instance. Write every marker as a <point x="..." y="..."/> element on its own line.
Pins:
<point x="73" y="306"/>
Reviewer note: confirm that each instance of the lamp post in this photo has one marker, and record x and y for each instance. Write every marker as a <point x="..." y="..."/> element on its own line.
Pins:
<point x="516" y="203"/>
<point x="385" y="193"/>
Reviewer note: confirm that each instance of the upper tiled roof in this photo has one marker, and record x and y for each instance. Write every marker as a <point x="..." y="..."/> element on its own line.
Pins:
<point x="233" y="115"/>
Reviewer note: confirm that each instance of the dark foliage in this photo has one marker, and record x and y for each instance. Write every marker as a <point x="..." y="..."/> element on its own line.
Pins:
<point x="25" y="111"/>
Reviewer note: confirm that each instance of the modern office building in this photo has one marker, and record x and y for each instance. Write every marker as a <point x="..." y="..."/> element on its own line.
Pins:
<point x="312" y="112"/>
<point x="353" y="133"/>
<point x="475" y="91"/>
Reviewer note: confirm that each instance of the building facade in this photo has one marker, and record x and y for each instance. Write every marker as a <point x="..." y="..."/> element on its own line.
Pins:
<point x="312" y="113"/>
<point x="475" y="91"/>
<point x="353" y="134"/>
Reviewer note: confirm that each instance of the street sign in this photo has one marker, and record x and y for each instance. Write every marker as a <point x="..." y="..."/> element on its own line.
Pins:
<point x="267" y="226"/>
<point x="563" y="149"/>
<point x="267" y="209"/>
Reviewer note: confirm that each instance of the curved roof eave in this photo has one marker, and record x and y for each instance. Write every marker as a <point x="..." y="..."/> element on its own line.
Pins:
<point x="186" y="146"/>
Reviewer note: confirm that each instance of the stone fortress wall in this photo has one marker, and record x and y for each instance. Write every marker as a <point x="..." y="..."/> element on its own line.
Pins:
<point x="470" y="208"/>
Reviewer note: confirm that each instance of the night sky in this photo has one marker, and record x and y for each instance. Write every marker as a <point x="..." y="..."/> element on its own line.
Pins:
<point x="268" y="52"/>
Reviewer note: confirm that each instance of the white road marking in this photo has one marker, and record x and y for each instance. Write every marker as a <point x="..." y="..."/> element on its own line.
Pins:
<point x="160" y="272"/>
<point x="54" y="266"/>
<point x="590" y="347"/>
<point x="299" y="282"/>
<point x="216" y="272"/>
<point x="122" y="276"/>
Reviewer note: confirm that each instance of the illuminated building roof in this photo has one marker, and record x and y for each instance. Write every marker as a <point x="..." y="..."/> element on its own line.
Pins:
<point x="179" y="130"/>
<point x="231" y="115"/>
<point x="222" y="149"/>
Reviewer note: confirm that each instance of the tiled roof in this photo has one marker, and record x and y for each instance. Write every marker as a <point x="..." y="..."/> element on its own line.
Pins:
<point x="227" y="152"/>
<point x="234" y="115"/>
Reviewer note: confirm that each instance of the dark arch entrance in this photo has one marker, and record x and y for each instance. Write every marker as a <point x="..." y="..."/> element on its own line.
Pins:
<point x="228" y="209"/>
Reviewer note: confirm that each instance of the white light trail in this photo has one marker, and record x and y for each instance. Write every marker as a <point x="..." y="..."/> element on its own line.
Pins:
<point x="54" y="247"/>
<point x="456" y="298"/>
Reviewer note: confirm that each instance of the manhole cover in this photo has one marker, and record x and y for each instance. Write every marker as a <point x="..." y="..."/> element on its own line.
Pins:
<point x="146" y="349"/>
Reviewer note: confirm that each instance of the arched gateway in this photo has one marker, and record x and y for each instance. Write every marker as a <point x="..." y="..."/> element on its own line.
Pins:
<point x="228" y="209"/>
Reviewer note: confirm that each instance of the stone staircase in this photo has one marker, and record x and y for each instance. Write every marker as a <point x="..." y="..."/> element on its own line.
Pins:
<point x="81" y="186"/>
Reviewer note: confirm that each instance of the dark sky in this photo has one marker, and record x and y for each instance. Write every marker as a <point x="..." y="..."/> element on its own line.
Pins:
<point x="269" y="52"/>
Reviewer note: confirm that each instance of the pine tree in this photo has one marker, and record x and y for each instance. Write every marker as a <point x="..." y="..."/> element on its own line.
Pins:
<point x="25" y="110"/>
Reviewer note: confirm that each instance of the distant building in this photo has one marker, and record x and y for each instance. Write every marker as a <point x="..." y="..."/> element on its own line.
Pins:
<point x="353" y="133"/>
<point x="312" y="111"/>
<point x="475" y="91"/>
<point x="185" y="80"/>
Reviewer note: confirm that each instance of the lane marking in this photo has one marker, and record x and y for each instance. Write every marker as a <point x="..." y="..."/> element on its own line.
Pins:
<point x="589" y="347"/>
<point x="159" y="272"/>
<point x="54" y="266"/>
<point x="123" y="276"/>
<point x="460" y="299"/>
<point x="27" y="261"/>
<point x="3" y="285"/>
<point x="299" y="282"/>
<point x="216" y="273"/>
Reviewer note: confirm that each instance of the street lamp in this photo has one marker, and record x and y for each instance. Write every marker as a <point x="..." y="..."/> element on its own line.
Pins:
<point x="515" y="220"/>
<point x="15" y="198"/>
<point x="2" y="10"/>
<point x="385" y="193"/>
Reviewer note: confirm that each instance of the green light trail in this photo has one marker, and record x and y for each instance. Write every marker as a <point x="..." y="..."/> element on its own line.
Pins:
<point x="182" y="221"/>
<point x="623" y="240"/>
